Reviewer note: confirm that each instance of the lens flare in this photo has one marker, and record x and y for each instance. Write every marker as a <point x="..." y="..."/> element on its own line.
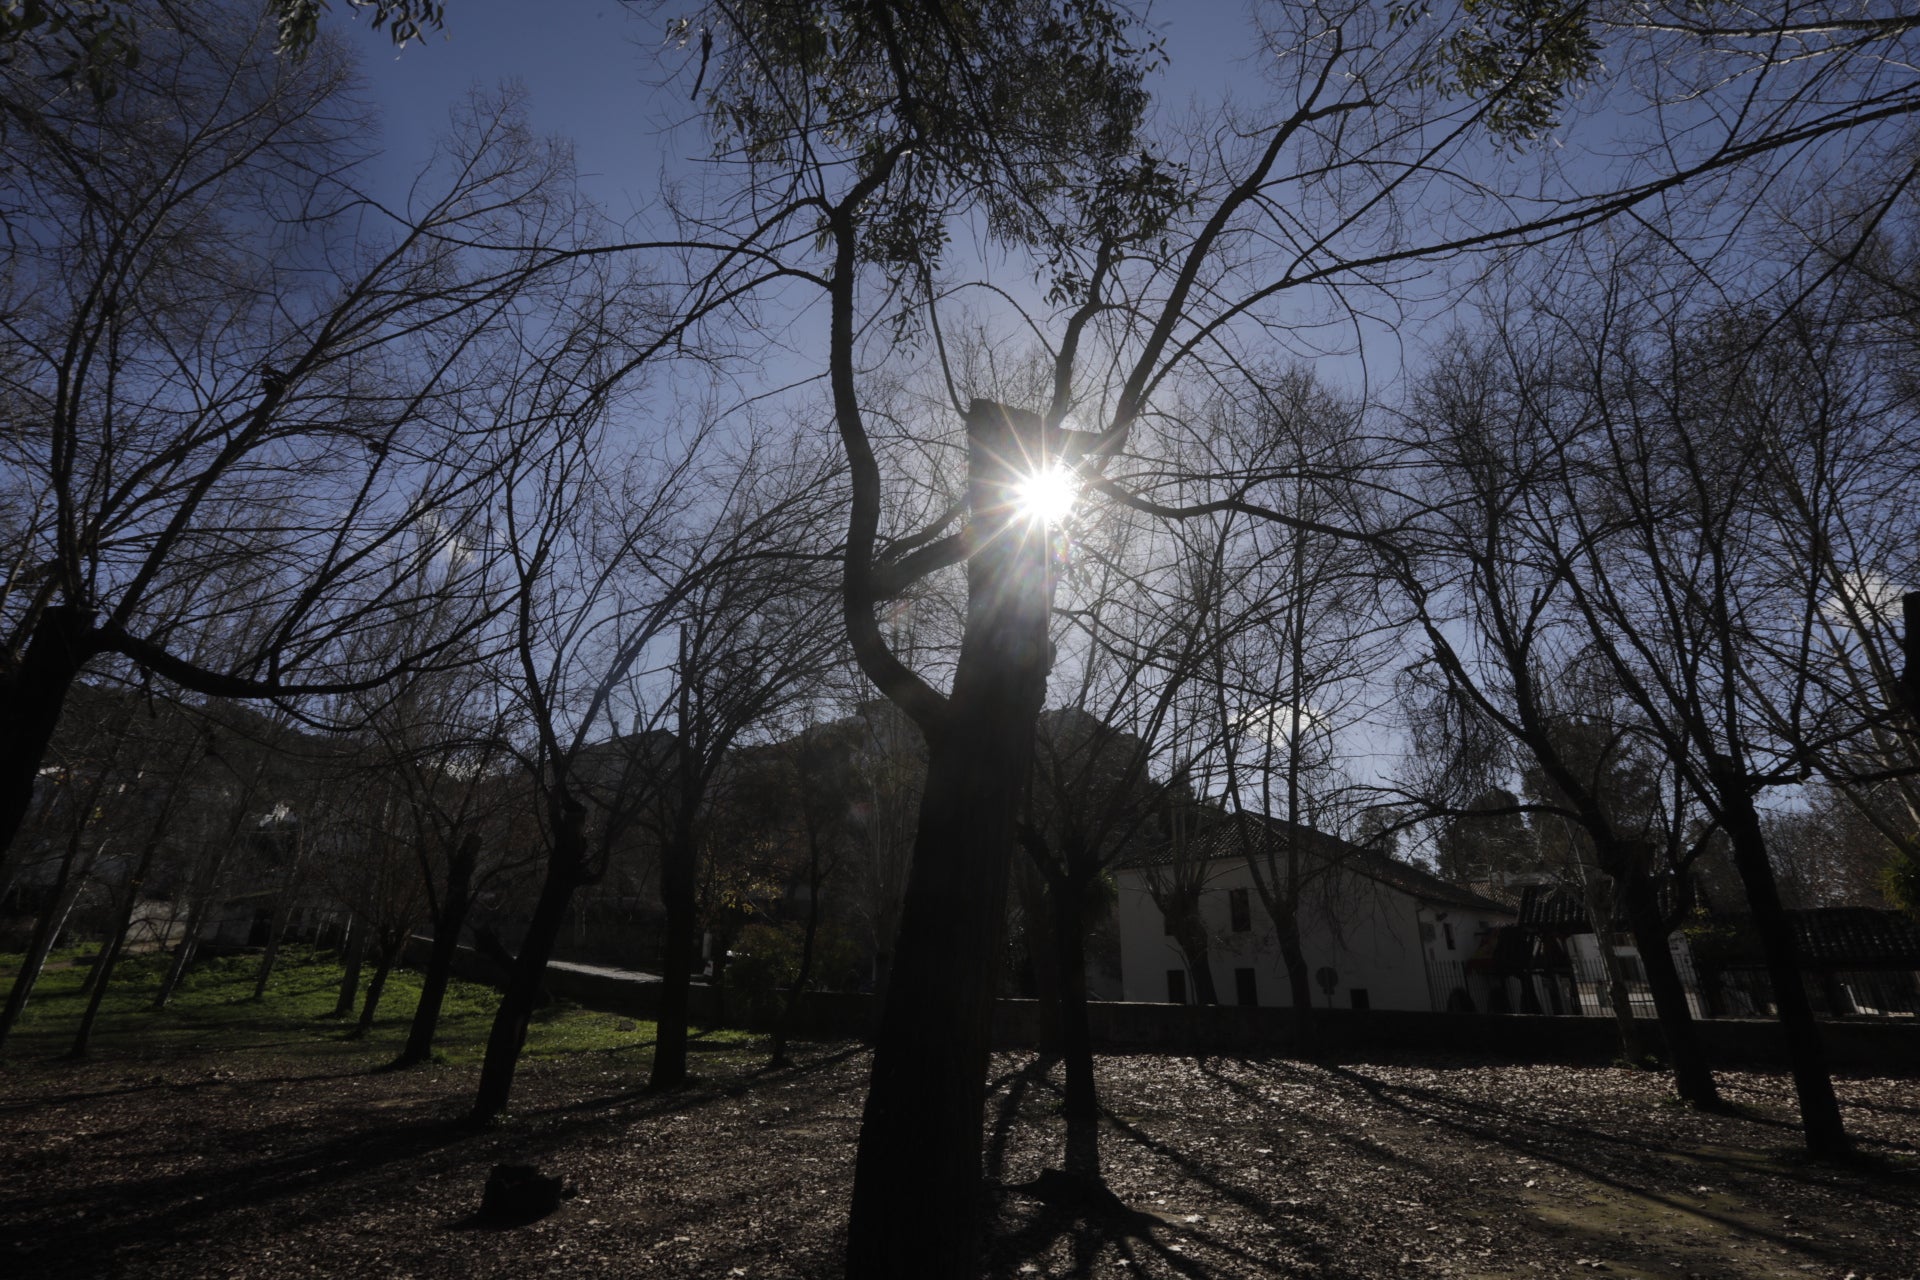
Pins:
<point x="1047" y="496"/>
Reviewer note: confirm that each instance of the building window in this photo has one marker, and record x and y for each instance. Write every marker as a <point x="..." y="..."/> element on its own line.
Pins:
<point x="1176" y="986"/>
<point x="1359" y="997"/>
<point x="1245" y="989"/>
<point x="1426" y="931"/>
<point x="1239" y="910"/>
<point x="1166" y="923"/>
<point x="1447" y="926"/>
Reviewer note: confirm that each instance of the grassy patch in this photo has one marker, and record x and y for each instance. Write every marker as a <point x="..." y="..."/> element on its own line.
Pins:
<point x="213" y="1009"/>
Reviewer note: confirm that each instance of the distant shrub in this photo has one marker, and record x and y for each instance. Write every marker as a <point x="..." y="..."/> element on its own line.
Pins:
<point x="766" y="961"/>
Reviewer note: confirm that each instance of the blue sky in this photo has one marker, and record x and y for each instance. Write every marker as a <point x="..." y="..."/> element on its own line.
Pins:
<point x="594" y="70"/>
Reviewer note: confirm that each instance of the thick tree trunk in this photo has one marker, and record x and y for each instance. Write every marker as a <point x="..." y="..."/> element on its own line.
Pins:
<point x="455" y="902"/>
<point x="1819" y="1108"/>
<point x="677" y="893"/>
<point x="565" y="873"/>
<point x="355" y="945"/>
<point x="1692" y="1074"/>
<point x="1299" y="980"/>
<point x="1040" y="907"/>
<point x="917" y="1178"/>
<point x="30" y="703"/>
<point x="1067" y="897"/>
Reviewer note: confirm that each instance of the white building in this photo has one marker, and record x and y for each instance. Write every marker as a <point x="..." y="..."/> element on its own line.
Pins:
<point x="1376" y="932"/>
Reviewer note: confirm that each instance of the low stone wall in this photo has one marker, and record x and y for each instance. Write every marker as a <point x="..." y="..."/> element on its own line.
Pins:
<point x="1858" y="1046"/>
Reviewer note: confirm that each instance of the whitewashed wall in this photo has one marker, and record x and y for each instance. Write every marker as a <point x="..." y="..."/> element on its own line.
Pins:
<point x="1369" y="932"/>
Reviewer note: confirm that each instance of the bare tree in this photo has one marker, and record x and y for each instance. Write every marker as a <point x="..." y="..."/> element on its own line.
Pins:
<point x="749" y="641"/>
<point x="882" y="140"/>
<point x="175" y="784"/>
<point x="230" y="365"/>
<point x="1494" y="427"/>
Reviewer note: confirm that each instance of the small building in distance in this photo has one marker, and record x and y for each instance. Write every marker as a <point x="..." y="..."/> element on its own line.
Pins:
<point x="1376" y="932"/>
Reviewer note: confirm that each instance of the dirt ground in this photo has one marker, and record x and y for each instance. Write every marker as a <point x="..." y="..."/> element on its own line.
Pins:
<point x="265" y="1164"/>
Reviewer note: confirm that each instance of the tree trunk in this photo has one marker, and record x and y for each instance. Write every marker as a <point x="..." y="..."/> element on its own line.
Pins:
<point x="30" y="703"/>
<point x="109" y="957"/>
<point x="882" y="982"/>
<point x="1190" y="935"/>
<point x="917" y="1178"/>
<point x="203" y="889"/>
<point x="66" y="888"/>
<point x="204" y="886"/>
<point x="677" y="892"/>
<point x="1080" y="1107"/>
<point x="356" y="953"/>
<point x="791" y="1016"/>
<point x="1040" y="907"/>
<point x="383" y="965"/>
<point x="99" y="963"/>
<point x="183" y="951"/>
<point x="1819" y="1108"/>
<point x="270" y="956"/>
<point x="277" y="927"/>
<point x="1299" y="980"/>
<point x="565" y="872"/>
<point x="46" y="932"/>
<point x="454" y="905"/>
<point x="123" y="918"/>
<point x="1692" y="1074"/>
<point x="1067" y="897"/>
<point x="1633" y="1047"/>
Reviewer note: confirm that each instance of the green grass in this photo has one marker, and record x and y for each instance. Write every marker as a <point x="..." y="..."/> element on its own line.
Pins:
<point x="213" y="1009"/>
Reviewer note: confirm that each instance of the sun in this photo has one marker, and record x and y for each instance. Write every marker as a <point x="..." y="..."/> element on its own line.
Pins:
<point x="1047" y="496"/>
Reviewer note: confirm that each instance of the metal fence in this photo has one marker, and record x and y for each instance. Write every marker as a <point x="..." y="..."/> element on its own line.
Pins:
<point x="1583" y="989"/>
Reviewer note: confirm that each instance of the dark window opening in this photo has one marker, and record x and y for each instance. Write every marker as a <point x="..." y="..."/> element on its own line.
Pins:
<point x="1176" y="986"/>
<point x="1359" y="997"/>
<point x="1239" y="910"/>
<point x="1245" y="988"/>
<point x="1449" y="931"/>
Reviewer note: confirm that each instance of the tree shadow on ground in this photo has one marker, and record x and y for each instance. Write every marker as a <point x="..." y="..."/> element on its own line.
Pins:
<point x="1627" y="1164"/>
<point x="1075" y="1204"/>
<point x="169" y="1206"/>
